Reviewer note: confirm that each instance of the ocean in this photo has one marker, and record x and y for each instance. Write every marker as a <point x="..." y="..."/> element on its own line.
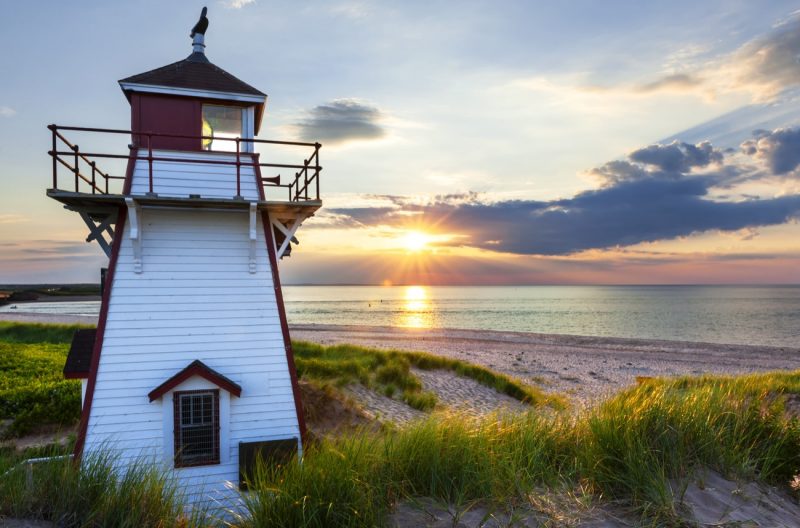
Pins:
<point x="754" y="315"/>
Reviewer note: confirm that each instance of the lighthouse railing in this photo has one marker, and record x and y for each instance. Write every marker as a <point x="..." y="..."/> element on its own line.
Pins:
<point x="83" y="164"/>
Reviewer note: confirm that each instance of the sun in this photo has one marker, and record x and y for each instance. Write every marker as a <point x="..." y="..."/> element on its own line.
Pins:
<point x="415" y="241"/>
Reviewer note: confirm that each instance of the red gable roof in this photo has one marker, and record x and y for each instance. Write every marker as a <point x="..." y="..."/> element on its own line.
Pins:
<point x="196" y="368"/>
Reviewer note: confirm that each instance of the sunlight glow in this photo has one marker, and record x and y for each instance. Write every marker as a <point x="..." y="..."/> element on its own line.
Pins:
<point x="417" y="311"/>
<point x="415" y="241"/>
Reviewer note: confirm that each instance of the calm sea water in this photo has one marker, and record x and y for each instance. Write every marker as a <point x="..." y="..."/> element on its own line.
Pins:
<point x="718" y="314"/>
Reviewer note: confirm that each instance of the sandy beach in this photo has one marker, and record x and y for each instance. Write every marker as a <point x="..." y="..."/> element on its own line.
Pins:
<point x="585" y="368"/>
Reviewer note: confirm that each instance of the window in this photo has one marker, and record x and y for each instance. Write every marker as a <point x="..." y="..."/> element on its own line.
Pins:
<point x="196" y="427"/>
<point x="224" y="122"/>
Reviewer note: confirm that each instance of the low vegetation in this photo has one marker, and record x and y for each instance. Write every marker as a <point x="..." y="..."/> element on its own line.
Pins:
<point x="33" y="391"/>
<point x="633" y="450"/>
<point x="389" y="372"/>
<point x="91" y="495"/>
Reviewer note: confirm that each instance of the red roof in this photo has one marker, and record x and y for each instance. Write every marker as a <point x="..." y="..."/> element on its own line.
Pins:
<point x="196" y="368"/>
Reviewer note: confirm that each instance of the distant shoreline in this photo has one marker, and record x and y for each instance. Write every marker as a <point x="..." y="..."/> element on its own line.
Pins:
<point x="59" y="298"/>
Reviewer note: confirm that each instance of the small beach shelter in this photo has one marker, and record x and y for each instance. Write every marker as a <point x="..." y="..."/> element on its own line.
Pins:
<point x="191" y="364"/>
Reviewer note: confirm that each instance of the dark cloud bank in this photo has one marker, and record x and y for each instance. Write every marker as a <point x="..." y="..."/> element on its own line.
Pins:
<point x="659" y="192"/>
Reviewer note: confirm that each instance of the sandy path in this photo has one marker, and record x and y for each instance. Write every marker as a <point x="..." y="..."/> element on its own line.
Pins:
<point x="588" y="368"/>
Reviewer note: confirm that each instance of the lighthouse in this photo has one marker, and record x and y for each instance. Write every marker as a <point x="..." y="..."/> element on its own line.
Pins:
<point x="191" y="363"/>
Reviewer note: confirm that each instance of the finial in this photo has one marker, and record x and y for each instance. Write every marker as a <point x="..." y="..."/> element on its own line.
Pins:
<point x="199" y="32"/>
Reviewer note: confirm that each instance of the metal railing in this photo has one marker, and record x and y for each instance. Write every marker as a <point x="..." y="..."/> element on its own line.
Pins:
<point x="305" y="185"/>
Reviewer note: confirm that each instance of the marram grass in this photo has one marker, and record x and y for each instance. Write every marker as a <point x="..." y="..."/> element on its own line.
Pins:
<point x="93" y="494"/>
<point x="633" y="449"/>
<point x="389" y="372"/>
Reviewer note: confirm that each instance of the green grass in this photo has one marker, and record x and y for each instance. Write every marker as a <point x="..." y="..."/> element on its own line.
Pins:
<point x="389" y="372"/>
<point x="31" y="333"/>
<point x="33" y="391"/>
<point x="91" y="495"/>
<point x="631" y="449"/>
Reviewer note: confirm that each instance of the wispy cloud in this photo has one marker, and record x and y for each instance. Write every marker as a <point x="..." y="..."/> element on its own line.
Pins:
<point x="238" y="4"/>
<point x="342" y="121"/>
<point x="763" y="67"/>
<point x="12" y="219"/>
<point x="7" y="111"/>
<point x="673" y="82"/>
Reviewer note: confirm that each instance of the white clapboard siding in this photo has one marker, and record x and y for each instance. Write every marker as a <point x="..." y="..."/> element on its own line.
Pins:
<point x="194" y="299"/>
<point x="183" y="178"/>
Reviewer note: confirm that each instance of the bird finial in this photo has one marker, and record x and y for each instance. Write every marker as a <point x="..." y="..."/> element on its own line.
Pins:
<point x="198" y="35"/>
<point x="202" y="24"/>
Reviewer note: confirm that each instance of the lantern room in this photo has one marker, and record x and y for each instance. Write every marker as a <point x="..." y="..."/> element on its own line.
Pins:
<point x="193" y="98"/>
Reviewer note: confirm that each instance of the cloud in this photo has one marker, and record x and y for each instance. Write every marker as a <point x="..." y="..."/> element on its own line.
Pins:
<point x="7" y="111"/>
<point x="677" y="157"/>
<point x="779" y="148"/>
<point x="655" y="194"/>
<point x="764" y="67"/>
<point x="673" y="83"/>
<point x="238" y="4"/>
<point x="13" y="219"/>
<point x="769" y="64"/>
<point x="341" y="121"/>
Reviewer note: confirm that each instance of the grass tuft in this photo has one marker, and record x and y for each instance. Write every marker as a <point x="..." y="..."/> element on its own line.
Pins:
<point x="389" y="372"/>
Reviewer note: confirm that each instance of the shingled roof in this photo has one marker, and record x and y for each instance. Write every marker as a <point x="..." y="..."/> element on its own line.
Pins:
<point x="194" y="72"/>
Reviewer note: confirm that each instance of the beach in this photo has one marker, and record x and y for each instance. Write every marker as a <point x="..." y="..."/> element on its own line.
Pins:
<point x="584" y="368"/>
<point x="587" y="369"/>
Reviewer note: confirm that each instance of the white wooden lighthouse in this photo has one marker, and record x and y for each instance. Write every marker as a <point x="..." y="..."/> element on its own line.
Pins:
<point x="191" y="363"/>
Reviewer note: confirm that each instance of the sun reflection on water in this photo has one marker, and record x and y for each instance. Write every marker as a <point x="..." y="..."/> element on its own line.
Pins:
<point x="416" y="308"/>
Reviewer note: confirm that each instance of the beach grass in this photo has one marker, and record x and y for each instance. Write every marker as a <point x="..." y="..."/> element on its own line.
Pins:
<point x="635" y="449"/>
<point x="92" y="494"/>
<point x="389" y="372"/>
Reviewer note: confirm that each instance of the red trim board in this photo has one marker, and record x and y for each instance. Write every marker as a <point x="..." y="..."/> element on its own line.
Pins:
<point x="276" y="281"/>
<point x="196" y="368"/>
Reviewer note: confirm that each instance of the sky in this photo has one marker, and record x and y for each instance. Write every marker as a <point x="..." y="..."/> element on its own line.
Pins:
<point x="470" y="142"/>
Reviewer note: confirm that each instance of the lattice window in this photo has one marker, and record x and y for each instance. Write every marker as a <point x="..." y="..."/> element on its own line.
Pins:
<point x="196" y="427"/>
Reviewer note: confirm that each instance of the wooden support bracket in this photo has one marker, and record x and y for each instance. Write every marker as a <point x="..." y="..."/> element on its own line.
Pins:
<point x="134" y="220"/>
<point x="97" y="231"/>
<point x="287" y="232"/>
